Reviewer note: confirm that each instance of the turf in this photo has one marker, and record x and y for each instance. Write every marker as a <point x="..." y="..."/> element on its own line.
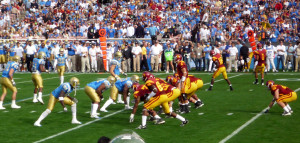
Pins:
<point x="224" y="111"/>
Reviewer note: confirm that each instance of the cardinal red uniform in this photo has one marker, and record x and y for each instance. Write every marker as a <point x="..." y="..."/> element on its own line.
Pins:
<point x="285" y="93"/>
<point x="141" y="91"/>
<point x="221" y="69"/>
<point x="261" y="60"/>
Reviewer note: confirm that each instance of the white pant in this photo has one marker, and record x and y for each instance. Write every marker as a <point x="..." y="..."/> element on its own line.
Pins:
<point x="233" y="61"/>
<point x="108" y="64"/>
<point x="272" y="62"/>
<point x="94" y="63"/>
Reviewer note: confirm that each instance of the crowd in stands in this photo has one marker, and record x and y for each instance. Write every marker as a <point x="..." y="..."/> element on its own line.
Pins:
<point x="187" y="27"/>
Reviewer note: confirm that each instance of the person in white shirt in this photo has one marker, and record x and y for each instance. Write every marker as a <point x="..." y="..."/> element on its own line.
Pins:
<point x="136" y="53"/>
<point x="233" y="57"/>
<point x="130" y="30"/>
<point x="93" y="54"/>
<point x="280" y="56"/>
<point x="19" y="52"/>
<point x="155" y="51"/>
<point x="77" y="56"/>
<point x="271" y="50"/>
<point x="54" y="52"/>
<point x="85" y="63"/>
<point x="30" y="52"/>
<point x="110" y="52"/>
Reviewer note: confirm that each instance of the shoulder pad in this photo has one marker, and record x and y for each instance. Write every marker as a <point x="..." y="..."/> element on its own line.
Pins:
<point x="107" y="84"/>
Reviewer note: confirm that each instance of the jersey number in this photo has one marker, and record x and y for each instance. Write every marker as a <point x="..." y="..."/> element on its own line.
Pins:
<point x="160" y="88"/>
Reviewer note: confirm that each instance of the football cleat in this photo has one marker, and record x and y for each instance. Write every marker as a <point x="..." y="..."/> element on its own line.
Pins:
<point x="40" y="100"/>
<point x="291" y="111"/>
<point x="95" y="116"/>
<point x="184" y="122"/>
<point x="286" y="113"/>
<point x="255" y="82"/>
<point x="76" y="122"/>
<point x="151" y="118"/>
<point x="209" y="89"/>
<point x="231" y="89"/>
<point x="262" y="83"/>
<point x="103" y="110"/>
<point x="127" y="107"/>
<point x="35" y="100"/>
<point x="120" y="102"/>
<point x="113" y="103"/>
<point x="15" y="106"/>
<point x="159" y="121"/>
<point x="37" y="124"/>
<point x="2" y="108"/>
<point x="198" y="104"/>
<point x="141" y="127"/>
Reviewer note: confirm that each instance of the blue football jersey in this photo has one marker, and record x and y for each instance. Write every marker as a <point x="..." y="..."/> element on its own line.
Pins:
<point x="118" y="65"/>
<point x="66" y="87"/>
<point x="96" y="84"/>
<point x="2" y="50"/>
<point x="36" y="64"/>
<point x="61" y="60"/>
<point x="120" y="84"/>
<point x="10" y="65"/>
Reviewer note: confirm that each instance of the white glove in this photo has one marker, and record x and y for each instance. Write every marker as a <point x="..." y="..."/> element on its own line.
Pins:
<point x="65" y="109"/>
<point x="13" y="82"/>
<point x="131" y="118"/>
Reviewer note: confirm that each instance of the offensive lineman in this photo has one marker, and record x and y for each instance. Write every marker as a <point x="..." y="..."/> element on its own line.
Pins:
<point x="61" y="94"/>
<point x="59" y="63"/>
<point x="7" y="81"/>
<point x="38" y="66"/>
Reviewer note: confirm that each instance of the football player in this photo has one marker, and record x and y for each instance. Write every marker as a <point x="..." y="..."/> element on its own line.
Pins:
<point x="218" y="60"/>
<point x="120" y="87"/>
<point x="2" y="55"/>
<point x="95" y="89"/>
<point x="7" y="81"/>
<point x="282" y="95"/>
<point x="260" y="67"/>
<point x="115" y="70"/>
<point x="140" y="92"/>
<point x="59" y="63"/>
<point x="158" y="96"/>
<point x="38" y="66"/>
<point x="61" y="94"/>
<point x="185" y="84"/>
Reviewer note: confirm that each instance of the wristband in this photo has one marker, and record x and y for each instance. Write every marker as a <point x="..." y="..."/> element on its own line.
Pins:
<point x="61" y="98"/>
<point x="183" y="79"/>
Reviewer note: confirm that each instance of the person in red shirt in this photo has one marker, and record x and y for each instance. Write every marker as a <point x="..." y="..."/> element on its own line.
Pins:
<point x="282" y="95"/>
<point x="260" y="67"/>
<point x="218" y="60"/>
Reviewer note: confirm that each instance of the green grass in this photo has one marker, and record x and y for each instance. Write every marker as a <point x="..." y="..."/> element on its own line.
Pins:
<point x="207" y="124"/>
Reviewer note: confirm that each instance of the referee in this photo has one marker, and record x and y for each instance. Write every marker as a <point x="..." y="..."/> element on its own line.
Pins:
<point x="30" y="51"/>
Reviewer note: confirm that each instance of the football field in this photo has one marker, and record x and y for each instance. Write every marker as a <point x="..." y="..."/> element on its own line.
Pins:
<point x="227" y="116"/>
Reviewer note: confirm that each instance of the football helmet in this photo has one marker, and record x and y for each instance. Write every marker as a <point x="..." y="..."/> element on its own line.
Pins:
<point x="111" y="79"/>
<point x="147" y="75"/>
<point x="118" y="55"/>
<point x="135" y="78"/>
<point x="135" y="86"/>
<point x="74" y="81"/>
<point x="259" y="45"/>
<point x="61" y="51"/>
<point x="269" y="83"/>
<point x="176" y="75"/>
<point x="15" y="58"/>
<point x="41" y="55"/>
<point x="212" y="52"/>
<point x="177" y="58"/>
<point x="169" y="78"/>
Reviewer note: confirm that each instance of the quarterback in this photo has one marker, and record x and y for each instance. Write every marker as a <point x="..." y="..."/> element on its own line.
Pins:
<point x="260" y="67"/>
<point x="59" y="63"/>
<point x="61" y="94"/>
<point x="7" y="81"/>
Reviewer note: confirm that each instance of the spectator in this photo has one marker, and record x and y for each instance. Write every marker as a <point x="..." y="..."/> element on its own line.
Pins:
<point x="30" y="52"/>
<point x="280" y="57"/>
<point x="233" y="57"/>
<point x="126" y="66"/>
<point x="93" y="57"/>
<point x="85" y="62"/>
<point x="155" y="52"/>
<point x="199" y="54"/>
<point x="136" y="53"/>
<point x="169" y="57"/>
<point x="297" y="57"/>
<point x="71" y="57"/>
<point x="145" y="56"/>
<point x="290" y="57"/>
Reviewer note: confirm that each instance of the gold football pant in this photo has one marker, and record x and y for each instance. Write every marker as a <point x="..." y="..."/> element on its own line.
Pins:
<point x="53" y="100"/>
<point x="60" y="70"/>
<point x="114" y="93"/>
<point x="288" y="97"/>
<point x="92" y="94"/>
<point x="6" y="83"/>
<point x="158" y="100"/>
<point x="3" y="59"/>
<point x="37" y="80"/>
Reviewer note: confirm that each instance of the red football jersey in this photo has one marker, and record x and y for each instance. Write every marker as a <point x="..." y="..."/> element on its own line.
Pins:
<point x="181" y="65"/>
<point x="193" y="78"/>
<point x="283" y="90"/>
<point x="160" y="80"/>
<point x="218" y="59"/>
<point x="141" y="91"/>
<point x="261" y="56"/>
<point x="167" y="87"/>
<point x="157" y="85"/>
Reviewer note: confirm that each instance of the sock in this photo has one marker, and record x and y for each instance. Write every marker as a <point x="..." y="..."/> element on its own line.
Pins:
<point x="61" y="79"/>
<point x="107" y="103"/>
<point x="1" y="103"/>
<point x="230" y="85"/>
<point x="262" y="80"/>
<point x="119" y="97"/>
<point x="288" y="106"/>
<point x="73" y="108"/>
<point x="40" y="95"/>
<point x="171" y="109"/>
<point x="144" y="120"/>
<point x="256" y="80"/>
<point x="157" y="117"/>
<point x="199" y="100"/>
<point x="128" y="100"/>
<point x="13" y="102"/>
<point x="211" y="85"/>
<point x="34" y="96"/>
<point x="44" y="115"/>
<point x="286" y="109"/>
<point x="94" y="110"/>
<point x="180" y="118"/>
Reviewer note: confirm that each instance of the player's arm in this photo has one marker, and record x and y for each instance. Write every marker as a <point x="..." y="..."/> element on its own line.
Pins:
<point x="100" y="89"/>
<point x="55" y="63"/>
<point x="11" y="73"/>
<point x="61" y="99"/>
<point x="125" y="91"/>
<point x="217" y="64"/>
<point x="136" y="104"/>
<point x="276" y="96"/>
<point x="111" y="70"/>
<point x="153" y="92"/>
<point x="42" y="68"/>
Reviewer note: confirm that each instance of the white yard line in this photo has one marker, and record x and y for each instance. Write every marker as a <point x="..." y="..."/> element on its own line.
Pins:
<point x="246" y="124"/>
<point x="44" y="79"/>
<point x="106" y="116"/>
